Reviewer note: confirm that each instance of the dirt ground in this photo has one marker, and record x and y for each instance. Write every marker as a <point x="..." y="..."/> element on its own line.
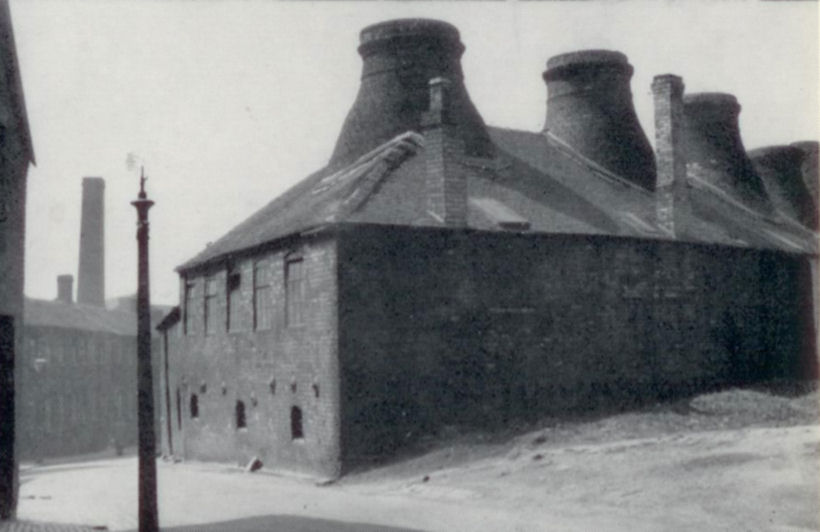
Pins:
<point x="733" y="460"/>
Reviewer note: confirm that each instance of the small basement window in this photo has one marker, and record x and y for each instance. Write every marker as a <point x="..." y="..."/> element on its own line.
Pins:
<point x="194" y="406"/>
<point x="240" y="415"/>
<point x="296" y="431"/>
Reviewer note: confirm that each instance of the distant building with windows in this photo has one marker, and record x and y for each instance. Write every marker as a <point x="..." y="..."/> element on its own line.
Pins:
<point x="439" y="271"/>
<point x="77" y="387"/>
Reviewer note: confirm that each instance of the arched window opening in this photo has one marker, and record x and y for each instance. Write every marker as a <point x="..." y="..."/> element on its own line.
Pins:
<point x="240" y="415"/>
<point x="194" y="406"/>
<point x="296" y="431"/>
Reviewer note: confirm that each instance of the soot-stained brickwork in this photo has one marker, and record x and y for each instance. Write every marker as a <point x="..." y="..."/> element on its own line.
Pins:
<point x="16" y="153"/>
<point x="439" y="271"/>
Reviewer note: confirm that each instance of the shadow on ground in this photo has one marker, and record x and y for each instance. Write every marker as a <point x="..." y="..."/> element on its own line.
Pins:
<point x="286" y="523"/>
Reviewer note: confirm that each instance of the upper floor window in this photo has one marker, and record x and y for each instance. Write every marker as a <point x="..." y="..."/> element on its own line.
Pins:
<point x="294" y="292"/>
<point x="187" y="307"/>
<point x="232" y="301"/>
<point x="209" y="306"/>
<point x="262" y="297"/>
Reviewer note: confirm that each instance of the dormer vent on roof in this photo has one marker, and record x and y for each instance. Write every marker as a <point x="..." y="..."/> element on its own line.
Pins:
<point x="399" y="58"/>
<point x="714" y="150"/>
<point x="780" y="169"/>
<point x="589" y="107"/>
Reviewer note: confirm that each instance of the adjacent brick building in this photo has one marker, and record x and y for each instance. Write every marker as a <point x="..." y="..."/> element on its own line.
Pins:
<point x="16" y="153"/>
<point x="77" y="385"/>
<point x="439" y="271"/>
<point x="77" y="391"/>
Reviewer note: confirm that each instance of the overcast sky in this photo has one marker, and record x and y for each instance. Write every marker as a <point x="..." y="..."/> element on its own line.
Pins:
<point x="227" y="103"/>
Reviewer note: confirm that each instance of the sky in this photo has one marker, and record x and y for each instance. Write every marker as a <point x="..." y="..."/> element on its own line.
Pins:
<point x="227" y="103"/>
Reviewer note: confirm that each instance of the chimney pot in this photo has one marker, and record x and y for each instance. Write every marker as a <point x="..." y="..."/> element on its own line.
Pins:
<point x="439" y="109"/>
<point x="65" y="288"/>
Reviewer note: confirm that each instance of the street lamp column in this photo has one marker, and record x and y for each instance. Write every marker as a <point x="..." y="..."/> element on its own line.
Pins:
<point x="148" y="520"/>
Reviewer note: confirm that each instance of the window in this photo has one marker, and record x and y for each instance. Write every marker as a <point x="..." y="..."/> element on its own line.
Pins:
<point x="49" y="418"/>
<point x="194" y="406"/>
<point x="294" y="292"/>
<point x="187" y="306"/>
<point x="262" y="302"/>
<point x="179" y="410"/>
<point x="240" y="415"/>
<point x="209" y="307"/>
<point x="296" y="431"/>
<point x="232" y="300"/>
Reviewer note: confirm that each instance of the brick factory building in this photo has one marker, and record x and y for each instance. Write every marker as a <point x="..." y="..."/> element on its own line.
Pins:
<point x="77" y="389"/>
<point x="16" y="154"/>
<point x="440" y="271"/>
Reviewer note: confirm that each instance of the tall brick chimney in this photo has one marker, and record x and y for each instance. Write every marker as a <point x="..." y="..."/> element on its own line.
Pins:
<point x="65" y="288"/>
<point x="780" y="169"/>
<point x="670" y="187"/>
<point x="589" y="107"/>
<point x="399" y="58"/>
<point x="91" y="275"/>
<point x="714" y="150"/>
<point x="443" y="149"/>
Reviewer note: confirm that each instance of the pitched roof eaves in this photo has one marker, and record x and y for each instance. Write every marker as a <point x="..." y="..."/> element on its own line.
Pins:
<point x="16" y="87"/>
<point x="169" y="320"/>
<point x="77" y="316"/>
<point x="311" y="230"/>
<point x="320" y="200"/>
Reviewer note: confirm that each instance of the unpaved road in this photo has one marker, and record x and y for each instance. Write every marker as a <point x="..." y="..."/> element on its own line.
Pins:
<point x="747" y="479"/>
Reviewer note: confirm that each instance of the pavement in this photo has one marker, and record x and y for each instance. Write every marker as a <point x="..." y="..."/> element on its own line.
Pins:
<point x="30" y="526"/>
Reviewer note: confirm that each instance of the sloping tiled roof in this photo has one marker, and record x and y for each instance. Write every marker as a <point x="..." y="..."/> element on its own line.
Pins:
<point x="42" y="313"/>
<point x="536" y="179"/>
<point x="709" y="215"/>
<point x="322" y="198"/>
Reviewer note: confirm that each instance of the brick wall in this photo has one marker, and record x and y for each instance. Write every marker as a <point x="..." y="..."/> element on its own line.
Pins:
<point x="441" y="327"/>
<point x="270" y="371"/>
<point x="13" y="166"/>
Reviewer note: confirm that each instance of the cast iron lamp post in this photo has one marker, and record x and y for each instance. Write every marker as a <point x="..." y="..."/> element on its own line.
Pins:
<point x="148" y="520"/>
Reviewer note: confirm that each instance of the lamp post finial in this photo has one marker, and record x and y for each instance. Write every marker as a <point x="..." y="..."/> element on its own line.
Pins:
<point x="142" y="182"/>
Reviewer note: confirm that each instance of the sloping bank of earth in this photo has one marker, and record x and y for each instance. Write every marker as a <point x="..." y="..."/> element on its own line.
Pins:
<point x="732" y="460"/>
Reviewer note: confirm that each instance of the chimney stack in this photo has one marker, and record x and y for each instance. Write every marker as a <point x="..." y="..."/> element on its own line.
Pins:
<point x="670" y="190"/>
<point x="589" y="107"/>
<point x="780" y="169"/>
<point x="399" y="58"/>
<point x="65" y="288"/>
<point x="443" y="149"/>
<point x="91" y="275"/>
<point x="714" y="151"/>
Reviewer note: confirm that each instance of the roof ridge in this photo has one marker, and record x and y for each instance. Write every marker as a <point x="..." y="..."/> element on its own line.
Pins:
<point x="399" y="150"/>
